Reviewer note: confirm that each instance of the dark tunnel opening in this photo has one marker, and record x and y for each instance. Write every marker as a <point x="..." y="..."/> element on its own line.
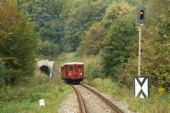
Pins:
<point x="45" y="70"/>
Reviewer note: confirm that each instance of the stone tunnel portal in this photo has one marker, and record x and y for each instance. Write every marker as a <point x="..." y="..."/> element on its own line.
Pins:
<point x="45" y="69"/>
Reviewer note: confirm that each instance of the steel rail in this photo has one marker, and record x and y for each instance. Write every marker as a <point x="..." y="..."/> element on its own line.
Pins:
<point x="109" y="103"/>
<point x="82" y="108"/>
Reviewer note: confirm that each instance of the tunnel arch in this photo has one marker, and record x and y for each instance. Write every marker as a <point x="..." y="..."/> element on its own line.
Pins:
<point x="45" y="69"/>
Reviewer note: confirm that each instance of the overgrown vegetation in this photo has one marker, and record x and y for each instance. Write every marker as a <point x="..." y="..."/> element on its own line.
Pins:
<point x="101" y="33"/>
<point x="155" y="50"/>
<point x="106" y="28"/>
<point x="18" y="41"/>
<point x="115" y="40"/>
<point x="63" y="22"/>
<point x="156" y="103"/>
<point x="48" y="50"/>
<point x="24" y="97"/>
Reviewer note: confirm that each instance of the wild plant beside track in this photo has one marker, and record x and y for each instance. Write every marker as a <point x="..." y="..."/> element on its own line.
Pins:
<point x="24" y="98"/>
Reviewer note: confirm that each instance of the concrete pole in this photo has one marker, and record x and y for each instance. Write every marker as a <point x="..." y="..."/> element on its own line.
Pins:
<point x="139" y="51"/>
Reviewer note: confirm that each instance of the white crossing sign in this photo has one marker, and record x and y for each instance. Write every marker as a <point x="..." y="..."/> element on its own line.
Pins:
<point x="141" y="86"/>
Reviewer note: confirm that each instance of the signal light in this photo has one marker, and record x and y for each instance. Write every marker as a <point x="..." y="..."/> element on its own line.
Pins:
<point x="141" y="15"/>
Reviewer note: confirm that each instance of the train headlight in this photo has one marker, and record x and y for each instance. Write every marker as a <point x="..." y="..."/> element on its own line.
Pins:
<point x="81" y="74"/>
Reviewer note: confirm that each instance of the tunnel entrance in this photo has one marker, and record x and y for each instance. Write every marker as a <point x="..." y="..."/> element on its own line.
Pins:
<point x="45" y="70"/>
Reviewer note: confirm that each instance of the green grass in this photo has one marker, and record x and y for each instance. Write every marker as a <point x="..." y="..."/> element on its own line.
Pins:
<point x="24" y="98"/>
<point x="156" y="103"/>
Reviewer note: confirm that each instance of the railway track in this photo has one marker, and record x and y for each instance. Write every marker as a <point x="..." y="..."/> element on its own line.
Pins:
<point x="82" y="104"/>
<point x="82" y="108"/>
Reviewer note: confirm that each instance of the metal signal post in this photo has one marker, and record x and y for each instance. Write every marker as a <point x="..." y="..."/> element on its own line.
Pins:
<point x="139" y="50"/>
<point x="141" y="82"/>
<point x="140" y="20"/>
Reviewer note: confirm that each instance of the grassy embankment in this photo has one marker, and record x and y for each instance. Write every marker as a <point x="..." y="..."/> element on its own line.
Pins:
<point x="24" y="98"/>
<point x="156" y="103"/>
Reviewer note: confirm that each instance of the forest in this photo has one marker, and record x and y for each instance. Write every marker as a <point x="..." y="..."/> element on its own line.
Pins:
<point x="105" y="30"/>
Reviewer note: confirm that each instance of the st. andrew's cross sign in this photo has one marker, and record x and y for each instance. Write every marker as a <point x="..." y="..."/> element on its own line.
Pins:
<point x="141" y="86"/>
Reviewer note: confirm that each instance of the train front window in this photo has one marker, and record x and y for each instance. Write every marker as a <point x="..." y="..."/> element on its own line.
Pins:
<point x="79" y="68"/>
<point x="70" y="68"/>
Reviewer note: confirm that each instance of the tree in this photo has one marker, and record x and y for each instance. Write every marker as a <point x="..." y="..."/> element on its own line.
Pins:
<point x="18" y="41"/>
<point x="155" y="44"/>
<point x="47" y="16"/>
<point x="117" y="43"/>
<point x="157" y="29"/>
<point x="48" y="49"/>
<point x="114" y="11"/>
<point x="92" y="41"/>
<point x="80" y="16"/>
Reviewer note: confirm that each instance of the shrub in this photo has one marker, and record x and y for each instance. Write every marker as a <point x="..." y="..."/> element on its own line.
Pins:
<point x="2" y="71"/>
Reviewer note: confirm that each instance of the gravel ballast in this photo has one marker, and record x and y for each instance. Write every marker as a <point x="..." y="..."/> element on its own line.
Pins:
<point x="92" y="103"/>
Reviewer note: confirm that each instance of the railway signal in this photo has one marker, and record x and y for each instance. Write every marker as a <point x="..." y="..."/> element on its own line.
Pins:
<point x="140" y="19"/>
<point x="141" y="82"/>
<point x="141" y="15"/>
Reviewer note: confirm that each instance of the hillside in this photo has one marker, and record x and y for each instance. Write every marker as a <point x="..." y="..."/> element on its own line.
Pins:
<point x="103" y="34"/>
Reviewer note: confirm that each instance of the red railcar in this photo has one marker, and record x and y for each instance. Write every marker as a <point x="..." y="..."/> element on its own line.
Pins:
<point x="73" y="71"/>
